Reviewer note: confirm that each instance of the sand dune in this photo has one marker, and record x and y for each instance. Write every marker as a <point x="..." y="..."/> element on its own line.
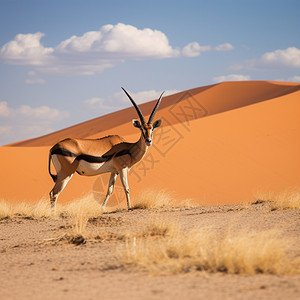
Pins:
<point x="195" y="103"/>
<point x="219" y="144"/>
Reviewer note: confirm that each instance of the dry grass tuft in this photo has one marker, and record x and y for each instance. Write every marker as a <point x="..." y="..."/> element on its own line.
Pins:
<point x="85" y="207"/>
<point x="289" y="199"/>
<point x="25" y="209"/>
<point x="235" y="253"/>
<point x="79" y="212"/>
<point x="155" y="198"/>
<point x="5" y="210"/>
<point x="157" y="227"/>
<point x="154" y="229"/>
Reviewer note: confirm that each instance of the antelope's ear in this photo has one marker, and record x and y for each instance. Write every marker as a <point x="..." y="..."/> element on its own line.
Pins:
<point x="156" y="124"/>
<point x="136" y="123"/>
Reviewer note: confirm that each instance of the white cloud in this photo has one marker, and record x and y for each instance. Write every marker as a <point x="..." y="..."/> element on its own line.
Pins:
<point x="26" y="49"/>
<point x="5" y="111"/>
<point x="120" y="41"/>
<point x="120" y="100"/>
<point x="39" y="113"/>
<point x="93" y="52"/>
<point x="85" y="43"/>
<point x="231" y="77"/>
<point x="194" y="49"/>
<point x="100" y="105"/>
<point x="26" y="122"/>
<point x="288" y="58"/>
<point x="88" y="54"/>
<point x="224" y="47"/>
<point x="295" y="78"/>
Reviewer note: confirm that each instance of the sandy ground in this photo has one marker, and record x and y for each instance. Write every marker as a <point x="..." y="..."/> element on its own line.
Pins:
<point x="35" y="265"/>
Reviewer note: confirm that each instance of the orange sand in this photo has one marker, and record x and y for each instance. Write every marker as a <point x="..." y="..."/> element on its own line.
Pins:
<point x="219" y="144"/>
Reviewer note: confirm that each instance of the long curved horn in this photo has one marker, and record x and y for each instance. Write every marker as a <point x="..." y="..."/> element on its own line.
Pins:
<point x="136" y="107"/>
<point x="155" y="109"/>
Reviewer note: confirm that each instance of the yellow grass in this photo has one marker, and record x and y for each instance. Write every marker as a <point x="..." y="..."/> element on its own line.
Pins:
<point x="155" y="198"/>
<point x="76" y="215"/>
<point x="85" y="207"/>
<point x="157" y="227"/>
<point x="244" y="252"/>
<point x="5" y="209"/>
<point x="30" y="210"/>
<point x="80" y="211"/>
<point x="289" y="199"/>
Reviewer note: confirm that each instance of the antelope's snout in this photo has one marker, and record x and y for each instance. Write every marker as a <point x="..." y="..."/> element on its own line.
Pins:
<point x="148" y="142"/>
<point x="148" y="132"/>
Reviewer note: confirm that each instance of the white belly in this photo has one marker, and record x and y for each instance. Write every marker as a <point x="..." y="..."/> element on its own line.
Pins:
<point x="90" y="169"/>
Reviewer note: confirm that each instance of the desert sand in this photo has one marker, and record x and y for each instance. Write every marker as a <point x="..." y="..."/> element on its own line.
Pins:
<point x="36" y="264"/>
<point x="220" y="148"/>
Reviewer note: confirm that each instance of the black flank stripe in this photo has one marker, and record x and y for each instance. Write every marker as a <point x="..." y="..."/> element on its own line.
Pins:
<point x="63" y="152"/>
<point x="89" y="158"/>
<point x="94" y="159"/>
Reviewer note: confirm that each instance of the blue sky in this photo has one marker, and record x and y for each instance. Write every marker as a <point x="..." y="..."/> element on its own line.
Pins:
<point x="63" y="62"/>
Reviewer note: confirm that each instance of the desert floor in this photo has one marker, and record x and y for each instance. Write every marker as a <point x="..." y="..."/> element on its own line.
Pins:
<point x="38" y="263"/>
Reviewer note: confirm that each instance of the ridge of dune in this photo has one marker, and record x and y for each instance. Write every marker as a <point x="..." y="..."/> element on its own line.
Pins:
<point x="103" y="123"/>
<point x="284" y="83"/>
<point x="199" y="102"/>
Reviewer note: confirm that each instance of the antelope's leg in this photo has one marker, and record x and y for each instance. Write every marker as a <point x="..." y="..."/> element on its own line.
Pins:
<point x="123" y="175"/>
<point x="60" y="184"/>
<point x="111" y="184"/>
<point x="65" y="168"/>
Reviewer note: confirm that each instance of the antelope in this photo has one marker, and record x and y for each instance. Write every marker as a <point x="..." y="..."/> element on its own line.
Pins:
<point x="110" y="154"/>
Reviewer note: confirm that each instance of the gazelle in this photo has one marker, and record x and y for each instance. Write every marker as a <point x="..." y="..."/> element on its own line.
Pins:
<point x="110" y="154"/>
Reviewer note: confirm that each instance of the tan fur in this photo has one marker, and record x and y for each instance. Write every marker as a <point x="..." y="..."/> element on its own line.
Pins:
<point x="95" y="147"/>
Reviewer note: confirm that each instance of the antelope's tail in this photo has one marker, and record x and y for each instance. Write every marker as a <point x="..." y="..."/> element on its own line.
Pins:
<point x="54" y="177"/>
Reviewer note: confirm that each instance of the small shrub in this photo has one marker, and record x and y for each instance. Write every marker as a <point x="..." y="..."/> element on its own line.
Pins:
<point x="289" y="199"/>
<point x="153" y="199"/>
<point x="235" y="253"/>
<point x="79" y="212"/>
<point x="37" y="210"/>
<point x="5" y="210"/>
